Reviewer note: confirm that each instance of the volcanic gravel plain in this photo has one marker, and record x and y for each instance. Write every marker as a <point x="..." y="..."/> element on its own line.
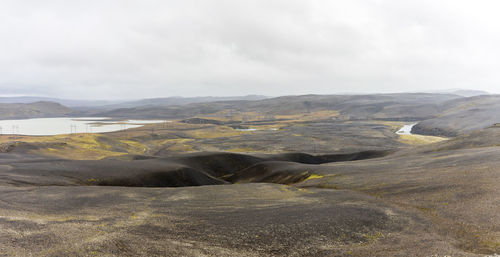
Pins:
<point x="329" y="179"/>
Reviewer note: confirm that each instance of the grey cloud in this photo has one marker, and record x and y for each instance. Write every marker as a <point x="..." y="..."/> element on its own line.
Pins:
<point x="128" y="49"/>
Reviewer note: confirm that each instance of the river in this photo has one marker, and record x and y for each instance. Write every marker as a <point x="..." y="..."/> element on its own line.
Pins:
<point x="406" y="129"/>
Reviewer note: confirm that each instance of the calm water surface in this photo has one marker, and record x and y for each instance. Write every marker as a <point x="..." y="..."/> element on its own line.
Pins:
<point x="58" y="126"/>
<point x="406" y="129"/>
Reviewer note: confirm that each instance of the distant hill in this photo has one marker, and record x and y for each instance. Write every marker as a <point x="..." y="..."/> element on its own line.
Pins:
<point x="469" y="93"/>
<point x="170" y="101"/>
<point x="65" y="102"/>
<point x="32" y="110"/>
<point x="407" y="107"/>
<point x="462" y="115"/>
<point x="116" y="104"/>
<point x="460" y="92"/>
<point x="404" y="106"/>
<point x="439" y="114"/>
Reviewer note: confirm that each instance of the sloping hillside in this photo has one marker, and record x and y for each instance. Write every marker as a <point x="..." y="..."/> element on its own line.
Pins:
<point x="436" y="200"/>
<point x="463" y="115"/>
<point x="383" y="106"/>
<point x="33" y="110"/>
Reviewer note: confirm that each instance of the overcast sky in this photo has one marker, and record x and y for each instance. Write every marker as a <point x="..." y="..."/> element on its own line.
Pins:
<point x="152" y="48"/>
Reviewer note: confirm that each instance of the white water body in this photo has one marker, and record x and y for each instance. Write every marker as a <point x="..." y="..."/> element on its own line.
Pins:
<point x="248" y="129"/>
<point x="406" y="129"/>
<point x="59" y="126"/>
<point x="146" y="121"/>
<point x="129" y="121"/>
<point x="254" y="129"/>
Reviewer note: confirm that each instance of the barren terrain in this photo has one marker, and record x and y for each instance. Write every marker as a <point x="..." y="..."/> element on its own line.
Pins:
<point x="320" y="177"/>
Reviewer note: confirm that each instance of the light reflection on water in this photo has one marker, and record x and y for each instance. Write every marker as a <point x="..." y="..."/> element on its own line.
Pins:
<point x="58" y="126"/>
<point x="406" y="129"/>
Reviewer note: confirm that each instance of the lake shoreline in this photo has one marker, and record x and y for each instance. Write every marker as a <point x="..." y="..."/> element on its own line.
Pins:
<point x="69" y="125"/>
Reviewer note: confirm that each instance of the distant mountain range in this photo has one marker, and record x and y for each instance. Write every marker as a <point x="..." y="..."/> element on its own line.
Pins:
<point x="65" y="102"/>
<point x="171" y="101"/>
<point x="381" y="106"/>
<point x="438" y="113"/>
<point x="167" y="101"/>
<point x="177" y="100"/>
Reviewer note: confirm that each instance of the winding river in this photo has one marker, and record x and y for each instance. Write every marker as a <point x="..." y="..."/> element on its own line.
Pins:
<point x="406" y="129"/>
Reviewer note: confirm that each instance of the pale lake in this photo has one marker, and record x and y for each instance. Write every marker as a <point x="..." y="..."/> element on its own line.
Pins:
<point x="58" y="126"/>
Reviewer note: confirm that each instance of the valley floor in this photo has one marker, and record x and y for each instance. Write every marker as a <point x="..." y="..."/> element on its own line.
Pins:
<point x="361" y="190"/>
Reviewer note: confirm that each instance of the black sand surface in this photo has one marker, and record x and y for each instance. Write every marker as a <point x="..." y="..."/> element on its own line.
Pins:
<point x="229" y="220"/>
<point x="436" y="200"/>
<point x="374" y="197"/>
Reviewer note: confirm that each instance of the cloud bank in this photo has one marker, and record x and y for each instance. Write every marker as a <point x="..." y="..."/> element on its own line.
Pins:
<point x="150" y="48"/>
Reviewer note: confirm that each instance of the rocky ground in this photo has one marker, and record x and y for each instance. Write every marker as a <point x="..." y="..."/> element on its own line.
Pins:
<point x="307" y="184"/>
<point x="435" y="200"/>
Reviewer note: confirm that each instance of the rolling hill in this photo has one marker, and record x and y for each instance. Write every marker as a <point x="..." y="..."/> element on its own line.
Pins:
<point x="383" y="106"/>
<point x="463" y="115"/>
<point x="435" y="200"/>
<point x="33" y="110"/>
<point x="317" y="176"/>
